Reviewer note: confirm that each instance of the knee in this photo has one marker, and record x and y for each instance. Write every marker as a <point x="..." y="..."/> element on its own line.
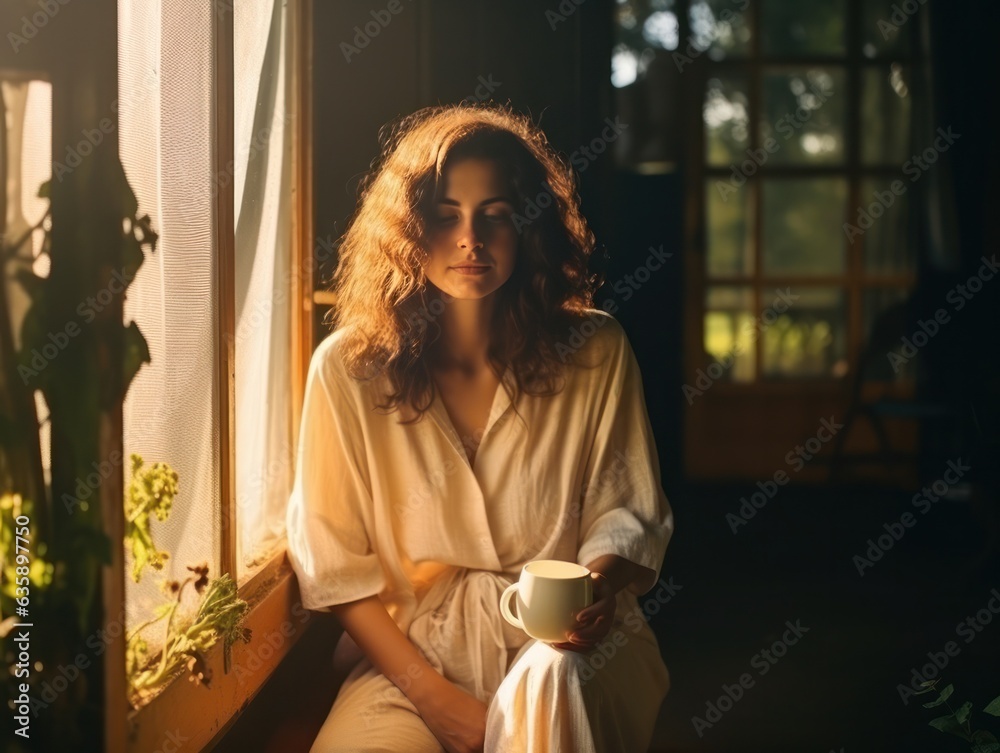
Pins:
<point x="563" y="667"/>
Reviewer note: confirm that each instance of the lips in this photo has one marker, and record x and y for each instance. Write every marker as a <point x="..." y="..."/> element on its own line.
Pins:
<point x="472" y="270"/>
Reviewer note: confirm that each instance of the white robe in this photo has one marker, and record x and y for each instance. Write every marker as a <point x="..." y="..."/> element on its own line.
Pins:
<point x="398" y="511"/>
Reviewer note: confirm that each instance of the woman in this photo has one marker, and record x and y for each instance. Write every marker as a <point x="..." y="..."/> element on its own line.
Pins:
<point x="463" y="294"/>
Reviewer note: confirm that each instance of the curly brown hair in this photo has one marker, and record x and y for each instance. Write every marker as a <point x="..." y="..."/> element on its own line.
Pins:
<point x="379" y="283"/>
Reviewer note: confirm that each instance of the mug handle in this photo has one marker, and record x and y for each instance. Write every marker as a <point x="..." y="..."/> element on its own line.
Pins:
<point x="505" y="606"/>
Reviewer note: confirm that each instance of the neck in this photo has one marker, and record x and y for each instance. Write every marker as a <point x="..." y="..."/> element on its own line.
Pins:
<point x="466" y="331"/>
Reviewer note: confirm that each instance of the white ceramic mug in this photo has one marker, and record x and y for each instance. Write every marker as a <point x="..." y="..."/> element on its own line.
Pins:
<point x="549" y="594"/>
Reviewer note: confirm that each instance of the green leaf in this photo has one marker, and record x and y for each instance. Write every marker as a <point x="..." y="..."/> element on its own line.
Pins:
<point x="984" y="742"/>
<point x="962" y="715"/>
<point x="948" y="724"/>
<point x="993" y="707"/>
<point x="151" y="491"/>
<point x="945" y="695"/>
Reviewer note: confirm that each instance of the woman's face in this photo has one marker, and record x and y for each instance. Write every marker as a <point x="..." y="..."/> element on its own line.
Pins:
<point x="471" y="240"/>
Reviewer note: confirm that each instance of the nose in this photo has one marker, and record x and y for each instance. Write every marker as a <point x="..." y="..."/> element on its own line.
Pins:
<point x="468" y="237"/>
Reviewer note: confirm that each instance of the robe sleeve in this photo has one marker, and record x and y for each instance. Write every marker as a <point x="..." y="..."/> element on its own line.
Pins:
<point x="329" y="518"/>
<point x="624" y="508"/>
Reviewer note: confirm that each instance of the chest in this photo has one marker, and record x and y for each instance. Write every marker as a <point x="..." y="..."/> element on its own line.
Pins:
<point x="468" y="402"/>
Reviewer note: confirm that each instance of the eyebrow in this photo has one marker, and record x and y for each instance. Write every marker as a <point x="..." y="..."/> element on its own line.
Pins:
<point x="484" y="202"/>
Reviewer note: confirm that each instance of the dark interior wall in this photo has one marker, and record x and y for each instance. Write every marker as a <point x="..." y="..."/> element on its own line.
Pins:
<point x="441" y="52"/>
<point x="545" y="62"/>
<point x="967" y="67"/>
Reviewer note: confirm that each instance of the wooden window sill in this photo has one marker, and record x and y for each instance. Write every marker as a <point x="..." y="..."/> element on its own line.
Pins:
<point x="187" y="717"/>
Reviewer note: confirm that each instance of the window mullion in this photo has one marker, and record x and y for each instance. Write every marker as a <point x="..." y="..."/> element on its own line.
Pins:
<point x="756" y="184"/>
<point x="225" y="243"/>
<point x="302" y="277"/>
<point x="854" y="251"/>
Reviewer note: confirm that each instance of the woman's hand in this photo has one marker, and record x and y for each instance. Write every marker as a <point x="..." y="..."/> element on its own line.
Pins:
<point x="594" y="622"/>
<point x="457" y="719"/>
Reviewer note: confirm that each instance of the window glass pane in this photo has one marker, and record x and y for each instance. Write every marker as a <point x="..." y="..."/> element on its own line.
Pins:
<point x="809" y="338"/>
<point x="729" y="323"/>
<point x="729" y="232"/>
<point x="27" y="126"/>
<point x="726" y="115"/>
<point x="263" y="190"/>
<point x="25" y="164"/>
<point x="885" y="114"/>
<point x="644" y="23"/>
<point x="802" y="121"/>
<point x="642" y="27"/>
<point x="720" y="28"/>
<point x="884" y="213"/>
<point x="802" y="231"/>
<point x="790" y="28"/>
<point x="885" y="27"/>
<point x="171" y="411"/>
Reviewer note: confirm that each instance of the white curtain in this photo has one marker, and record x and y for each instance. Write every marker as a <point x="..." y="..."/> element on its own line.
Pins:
<point x="167" y="109"/>
<point x="263" y="192"/>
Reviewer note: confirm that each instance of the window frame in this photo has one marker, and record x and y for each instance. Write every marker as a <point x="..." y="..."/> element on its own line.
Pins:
<point x="199" y="715"/>
<point x="855" y="281"/>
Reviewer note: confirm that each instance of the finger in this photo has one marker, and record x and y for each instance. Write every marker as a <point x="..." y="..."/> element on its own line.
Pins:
<point x="592" y="635"/>
<point x="594" y="610"/>
<point x="567" y="646"/>
<point x="582" y="645"/>
<point x="594" y="618"/>
<point x="601" y="625"/>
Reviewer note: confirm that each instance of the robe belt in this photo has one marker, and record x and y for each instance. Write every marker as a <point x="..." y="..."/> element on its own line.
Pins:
<point x="462" y="610"/>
